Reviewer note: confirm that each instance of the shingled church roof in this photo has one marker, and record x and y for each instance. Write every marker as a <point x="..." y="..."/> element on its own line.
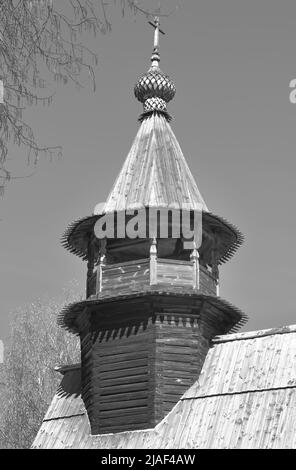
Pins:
<point x="245" y="397"/>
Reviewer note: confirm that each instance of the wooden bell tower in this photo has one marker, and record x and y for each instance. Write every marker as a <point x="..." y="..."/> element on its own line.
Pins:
<point x="152" y="307"/>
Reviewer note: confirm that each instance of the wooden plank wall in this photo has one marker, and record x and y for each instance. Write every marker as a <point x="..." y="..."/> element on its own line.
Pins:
<point x="86" y="345"/>
<point x="137" y="363"/>
<point x="126" y="277"/>
<point x="91" y="288"/>
<point x="174" y="272"/>
<point x="207" y="283"/>
<point x="179" y="356"/>
<point x="122" y="380"/>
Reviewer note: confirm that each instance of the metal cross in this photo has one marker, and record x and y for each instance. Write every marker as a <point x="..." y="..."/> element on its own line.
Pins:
<point x="155" y="25"/>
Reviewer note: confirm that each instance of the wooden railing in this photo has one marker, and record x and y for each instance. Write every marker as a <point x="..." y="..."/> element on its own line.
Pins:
<point x="125" y="277"/>
<point x="134" y="276"/>
<point x="174" y="272"/>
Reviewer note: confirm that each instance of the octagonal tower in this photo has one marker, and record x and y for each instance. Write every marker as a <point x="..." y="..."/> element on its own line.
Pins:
<point x="152" y="306"/>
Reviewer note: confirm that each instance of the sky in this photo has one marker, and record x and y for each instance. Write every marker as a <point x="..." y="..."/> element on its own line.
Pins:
<point x="232" y="62"/>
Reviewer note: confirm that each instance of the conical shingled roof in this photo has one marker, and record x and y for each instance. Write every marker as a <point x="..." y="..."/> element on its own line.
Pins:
<point x="155" y="172"/>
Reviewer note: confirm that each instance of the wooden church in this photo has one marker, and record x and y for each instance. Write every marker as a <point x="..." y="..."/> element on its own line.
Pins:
<point x="162" y="365"/>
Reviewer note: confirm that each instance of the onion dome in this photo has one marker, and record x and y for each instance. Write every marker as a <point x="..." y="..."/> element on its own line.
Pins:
<point x="155" y="89"/>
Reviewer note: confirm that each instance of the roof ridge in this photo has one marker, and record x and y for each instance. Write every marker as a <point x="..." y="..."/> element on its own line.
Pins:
<point x="187" y="396"/>
<point x="254" y="334"/>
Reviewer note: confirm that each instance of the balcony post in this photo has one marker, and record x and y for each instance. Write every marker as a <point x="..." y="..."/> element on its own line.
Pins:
<point x="215" y="268"/>
<point x="90" y="265"/>
<point x="102" y="258"/>
<point x="194" y="257"/>
<point x="153" y="262"/>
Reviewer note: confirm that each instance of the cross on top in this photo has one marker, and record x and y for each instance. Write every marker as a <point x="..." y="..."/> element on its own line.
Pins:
<point x="155" y="25"/>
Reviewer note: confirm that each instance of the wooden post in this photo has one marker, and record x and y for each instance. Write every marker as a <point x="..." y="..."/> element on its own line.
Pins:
<point x="102" y="258"/>
<point x="90" y="266"/>
<point x="194" y="257"/>
<point x="153" y="262"/>
<point x="215" y="269"/>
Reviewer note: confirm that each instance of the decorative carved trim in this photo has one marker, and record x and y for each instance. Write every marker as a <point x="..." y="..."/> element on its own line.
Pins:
<point x="177" y="318"/>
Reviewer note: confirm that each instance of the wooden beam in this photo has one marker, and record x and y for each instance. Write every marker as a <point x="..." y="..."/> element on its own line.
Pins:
<point x="153" y="262"/>
<point x="102" y="259"/>
<point x="194" y="257"/>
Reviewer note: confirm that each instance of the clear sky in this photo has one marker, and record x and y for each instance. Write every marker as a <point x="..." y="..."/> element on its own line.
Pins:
<point x="231" y="61"/>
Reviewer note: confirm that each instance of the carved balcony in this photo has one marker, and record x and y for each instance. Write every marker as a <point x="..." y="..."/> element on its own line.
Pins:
<point x="140" y="275"/>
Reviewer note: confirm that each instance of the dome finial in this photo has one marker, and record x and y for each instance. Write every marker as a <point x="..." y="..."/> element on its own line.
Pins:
<point x="155" y="58"/>
<point x="155" y="89"/>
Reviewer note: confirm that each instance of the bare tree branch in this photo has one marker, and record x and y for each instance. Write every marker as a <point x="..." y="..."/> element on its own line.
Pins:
<point x="39" y="45"/>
